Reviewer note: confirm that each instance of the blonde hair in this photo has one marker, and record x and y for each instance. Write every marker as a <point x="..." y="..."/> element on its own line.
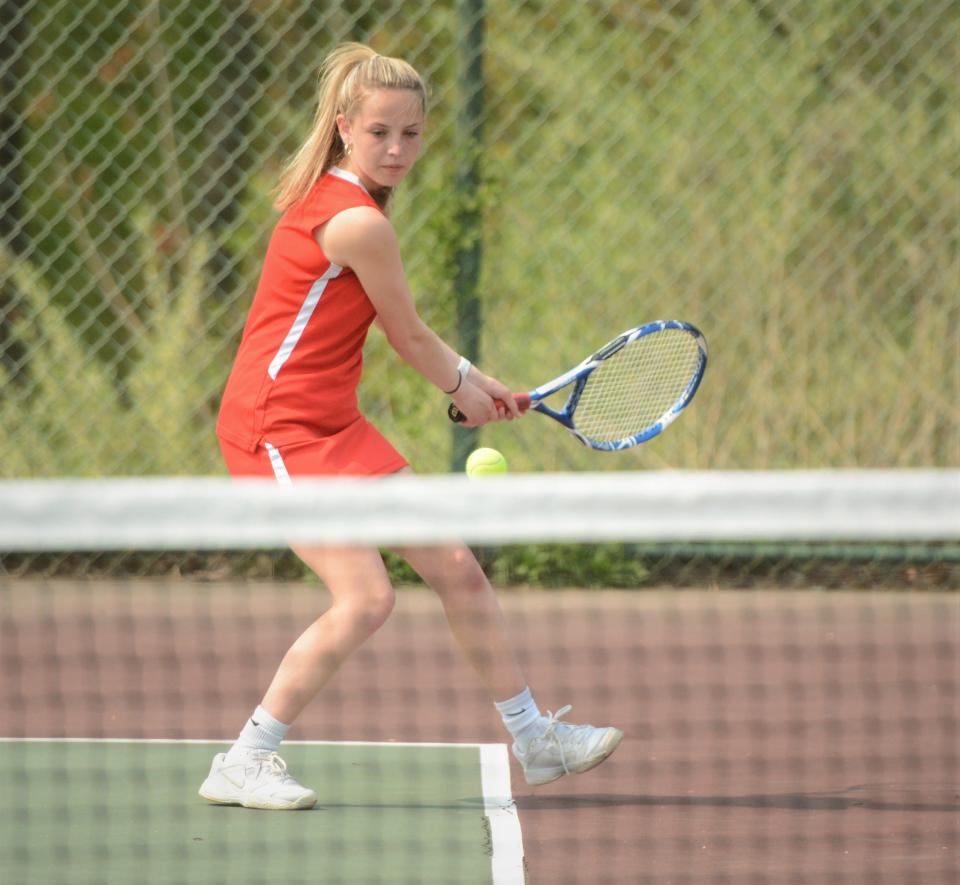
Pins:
<point x="346" y="78"/>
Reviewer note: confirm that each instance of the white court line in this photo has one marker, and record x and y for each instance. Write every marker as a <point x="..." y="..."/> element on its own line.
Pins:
<point x="506" y="839"/>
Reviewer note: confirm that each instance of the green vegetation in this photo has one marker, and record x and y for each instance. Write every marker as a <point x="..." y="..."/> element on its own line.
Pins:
<point x="74" y="417"/>
<point x="786" y="180"/>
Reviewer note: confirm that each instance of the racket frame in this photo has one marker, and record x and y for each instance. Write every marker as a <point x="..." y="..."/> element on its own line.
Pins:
<point x="578" y="375"/>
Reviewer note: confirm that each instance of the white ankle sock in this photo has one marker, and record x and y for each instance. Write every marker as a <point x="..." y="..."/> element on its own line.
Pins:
<point x="262" y="732"/>
<point x="521" y="716"/>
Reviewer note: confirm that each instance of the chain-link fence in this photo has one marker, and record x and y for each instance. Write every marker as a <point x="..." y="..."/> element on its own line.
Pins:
<point x="784" y="175"/>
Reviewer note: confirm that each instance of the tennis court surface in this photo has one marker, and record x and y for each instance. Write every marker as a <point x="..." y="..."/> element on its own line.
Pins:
<point x="775" y="731"/>
<point x="771" y="737"/>
<point x="127" y="811"/>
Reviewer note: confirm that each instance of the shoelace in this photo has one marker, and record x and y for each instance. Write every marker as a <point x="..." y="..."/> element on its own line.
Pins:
<point x="550" y="732"/>
<point x="274" y="762"/>
<point x="277" y="764"/>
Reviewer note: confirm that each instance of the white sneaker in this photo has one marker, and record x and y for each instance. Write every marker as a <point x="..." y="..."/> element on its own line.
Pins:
<point x="257" y="779"/>
<point x="565" y="749"/>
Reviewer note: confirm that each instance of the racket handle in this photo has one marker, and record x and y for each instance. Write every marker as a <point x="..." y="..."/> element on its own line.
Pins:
<point x="521" y="399"/>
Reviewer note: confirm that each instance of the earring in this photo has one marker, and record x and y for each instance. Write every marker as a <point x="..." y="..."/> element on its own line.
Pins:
<point x="347" y="148"/>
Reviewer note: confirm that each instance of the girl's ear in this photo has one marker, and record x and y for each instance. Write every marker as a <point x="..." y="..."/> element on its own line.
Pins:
<point x="343" y="127"/>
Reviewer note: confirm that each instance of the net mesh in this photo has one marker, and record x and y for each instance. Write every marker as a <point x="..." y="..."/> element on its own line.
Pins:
<point x="638" y="386"/>
<point x="795" y="723"/>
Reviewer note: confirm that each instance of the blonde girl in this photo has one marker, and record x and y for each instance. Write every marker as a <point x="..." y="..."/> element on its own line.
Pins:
<point x="289" y="410"/>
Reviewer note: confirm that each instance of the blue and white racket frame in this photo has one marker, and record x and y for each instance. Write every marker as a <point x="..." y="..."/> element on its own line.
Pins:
<point x="579" y="375"/>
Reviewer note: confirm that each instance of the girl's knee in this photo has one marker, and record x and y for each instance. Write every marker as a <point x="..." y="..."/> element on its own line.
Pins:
<point x="462" y="574"/>
<point x="373" y="608"/>
<point x="384" y="603"/>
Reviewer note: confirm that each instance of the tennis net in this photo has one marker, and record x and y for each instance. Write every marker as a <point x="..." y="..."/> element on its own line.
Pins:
<point x="779" y="649"/>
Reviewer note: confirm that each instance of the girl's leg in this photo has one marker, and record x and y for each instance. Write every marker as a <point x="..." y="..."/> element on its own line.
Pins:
<point x="251" y="774"/>
<point x="545" y="747"/>
<point x="473" y="613"/>
<point x="362" y="601"/>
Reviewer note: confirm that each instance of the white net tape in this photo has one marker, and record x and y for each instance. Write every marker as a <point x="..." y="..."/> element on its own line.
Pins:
<point x="158" y="514"/>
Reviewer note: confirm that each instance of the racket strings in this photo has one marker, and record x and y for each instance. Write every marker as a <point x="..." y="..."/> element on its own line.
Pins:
<point x="637" y="386"/>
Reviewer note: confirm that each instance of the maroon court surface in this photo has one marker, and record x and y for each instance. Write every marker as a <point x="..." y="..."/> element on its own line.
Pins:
<point x="771" y="736"/>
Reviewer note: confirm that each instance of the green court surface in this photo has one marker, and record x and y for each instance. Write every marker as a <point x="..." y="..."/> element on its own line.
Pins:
<point x="128" y="812"/>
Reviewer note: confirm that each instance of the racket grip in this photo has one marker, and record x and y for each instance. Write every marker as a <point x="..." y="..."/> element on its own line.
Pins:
<point x="521" y="399"/>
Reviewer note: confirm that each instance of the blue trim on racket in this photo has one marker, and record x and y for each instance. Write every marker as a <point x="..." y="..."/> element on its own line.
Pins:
<point x="684" y="383"/>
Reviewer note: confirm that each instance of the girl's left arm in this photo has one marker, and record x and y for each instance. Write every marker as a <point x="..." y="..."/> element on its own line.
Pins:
<point x="364" y="240"/>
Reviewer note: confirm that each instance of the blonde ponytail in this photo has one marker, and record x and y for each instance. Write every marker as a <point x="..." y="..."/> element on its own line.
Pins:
<point x="346" y="77"/>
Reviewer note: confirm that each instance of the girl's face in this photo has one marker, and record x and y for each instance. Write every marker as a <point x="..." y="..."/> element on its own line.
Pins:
<point x="384" y="137"/>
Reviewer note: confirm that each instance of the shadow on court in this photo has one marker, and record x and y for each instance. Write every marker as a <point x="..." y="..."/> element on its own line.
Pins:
<point x="870" y="799"/>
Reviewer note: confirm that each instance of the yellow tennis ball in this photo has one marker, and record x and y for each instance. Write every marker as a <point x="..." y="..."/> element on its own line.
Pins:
<point x="486" y="462"/>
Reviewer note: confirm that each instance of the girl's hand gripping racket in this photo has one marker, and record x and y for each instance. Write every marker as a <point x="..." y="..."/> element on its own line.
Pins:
<point x="628" y="391"/>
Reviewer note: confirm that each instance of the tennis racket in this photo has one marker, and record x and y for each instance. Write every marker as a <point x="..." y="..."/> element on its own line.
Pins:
<point x="629" y="391"/>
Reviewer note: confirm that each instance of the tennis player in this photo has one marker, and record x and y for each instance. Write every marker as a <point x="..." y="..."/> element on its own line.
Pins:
<point x="289" y="410"/>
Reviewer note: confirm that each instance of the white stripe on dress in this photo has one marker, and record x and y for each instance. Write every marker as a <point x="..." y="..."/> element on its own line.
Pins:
<point x="276" y="462"/>
<point x="337" y="172"/>
<point x="303" y="317"/>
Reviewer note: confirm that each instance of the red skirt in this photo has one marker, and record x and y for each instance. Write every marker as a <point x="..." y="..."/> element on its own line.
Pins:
<point x="357" y="450"/>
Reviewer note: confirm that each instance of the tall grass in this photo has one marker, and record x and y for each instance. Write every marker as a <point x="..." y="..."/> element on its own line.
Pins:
<point x="798" y="205"/>
<point x="808" y="227"/>
<point x="69" y="414"/>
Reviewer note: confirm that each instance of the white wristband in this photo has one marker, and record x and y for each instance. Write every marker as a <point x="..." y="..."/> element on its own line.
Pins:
<point x="462" y="368"/>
